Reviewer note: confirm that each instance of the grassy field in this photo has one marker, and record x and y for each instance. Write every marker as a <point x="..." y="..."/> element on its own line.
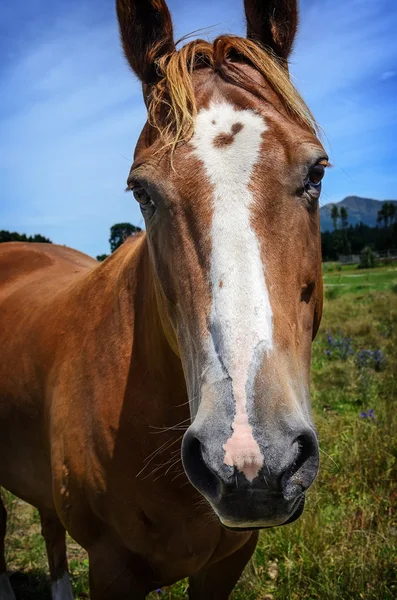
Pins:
<point x="345" y="545"/>
<point x="350" y="279"/>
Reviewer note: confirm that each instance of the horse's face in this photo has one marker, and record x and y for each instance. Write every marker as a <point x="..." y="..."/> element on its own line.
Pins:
<point x="233" y="227"/>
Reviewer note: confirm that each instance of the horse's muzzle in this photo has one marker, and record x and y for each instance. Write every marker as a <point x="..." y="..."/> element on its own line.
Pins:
<point x="275" y="496"/>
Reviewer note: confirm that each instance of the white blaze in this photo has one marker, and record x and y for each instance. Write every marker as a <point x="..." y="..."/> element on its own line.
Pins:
<point x="241" y="314"/>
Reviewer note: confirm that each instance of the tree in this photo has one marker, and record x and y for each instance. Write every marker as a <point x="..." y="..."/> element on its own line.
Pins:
<point x="335" y="216"/>
<point x="344" y="217"/>
<point x="386" y="213"/>
<point x="13" y="236"/>
<point x="352" y="240"/>
<point x="380" y="216"/>
<point x="38" y="238"/>
<point x="101" y="257"/>
<point x="391" y="211"/>
<point x="120" y="232"/>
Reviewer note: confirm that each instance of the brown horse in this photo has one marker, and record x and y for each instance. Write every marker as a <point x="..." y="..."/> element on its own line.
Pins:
<point x="192" y="341"/>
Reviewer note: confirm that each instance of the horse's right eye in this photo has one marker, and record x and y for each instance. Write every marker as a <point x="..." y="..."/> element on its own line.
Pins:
<point x="146" y="203"/>
<point x="141" y="195"/>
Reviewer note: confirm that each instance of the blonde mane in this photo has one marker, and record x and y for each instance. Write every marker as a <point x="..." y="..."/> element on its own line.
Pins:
<point x="172" y="104"/>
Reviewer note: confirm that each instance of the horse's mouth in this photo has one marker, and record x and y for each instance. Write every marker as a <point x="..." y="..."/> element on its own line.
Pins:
<point x="296" y="513"/>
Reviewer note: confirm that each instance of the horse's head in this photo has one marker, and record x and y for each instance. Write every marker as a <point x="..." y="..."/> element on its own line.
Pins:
<point x="228" y="173"/>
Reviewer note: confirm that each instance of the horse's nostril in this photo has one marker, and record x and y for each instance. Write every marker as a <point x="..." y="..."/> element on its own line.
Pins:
<point x="307" y="448"/>
<point x="199" y="474"/>
<point x="303" y="470"/>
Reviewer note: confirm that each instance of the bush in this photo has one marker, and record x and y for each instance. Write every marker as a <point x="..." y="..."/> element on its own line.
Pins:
<point x="331" y="293"/>
<point x="367" y="258"/>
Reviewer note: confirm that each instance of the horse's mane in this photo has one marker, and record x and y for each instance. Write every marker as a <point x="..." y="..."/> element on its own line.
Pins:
<point x="171" y="102"/>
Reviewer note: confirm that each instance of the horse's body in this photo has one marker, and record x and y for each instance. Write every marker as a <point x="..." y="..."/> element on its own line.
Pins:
<point x="82" y="356"/>
<point x="202" y="325"/>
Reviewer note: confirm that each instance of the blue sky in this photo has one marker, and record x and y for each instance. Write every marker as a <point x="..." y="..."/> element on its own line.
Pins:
<point x="71" y="111"/>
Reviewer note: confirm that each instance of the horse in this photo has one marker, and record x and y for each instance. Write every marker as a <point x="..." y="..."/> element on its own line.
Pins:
<point x="156" y="405"/>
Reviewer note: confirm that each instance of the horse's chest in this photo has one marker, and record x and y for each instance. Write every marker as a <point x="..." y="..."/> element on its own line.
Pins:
<point x="188" y="546"/>
<point x="175" y="541"/>
<point x="177" y="547"/>
<point x="178" y="556"/>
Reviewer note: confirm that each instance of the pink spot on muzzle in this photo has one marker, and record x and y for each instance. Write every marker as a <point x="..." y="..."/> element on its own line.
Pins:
<point x="241" y="449"/>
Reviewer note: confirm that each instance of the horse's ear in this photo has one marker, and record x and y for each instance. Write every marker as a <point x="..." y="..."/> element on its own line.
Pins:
<point x="273" y="23"/>
<point x="146" y="34"/>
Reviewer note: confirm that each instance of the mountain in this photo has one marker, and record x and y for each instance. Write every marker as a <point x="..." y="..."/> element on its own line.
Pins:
<point x="359" y="209"/>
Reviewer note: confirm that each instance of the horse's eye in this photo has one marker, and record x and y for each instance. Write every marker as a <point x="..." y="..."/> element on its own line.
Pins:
<point x="316" y="173"/>
<point x="141" y="196"/>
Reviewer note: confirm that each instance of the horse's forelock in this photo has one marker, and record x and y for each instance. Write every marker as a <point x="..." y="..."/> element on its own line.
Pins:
<point x="172" y="106"/>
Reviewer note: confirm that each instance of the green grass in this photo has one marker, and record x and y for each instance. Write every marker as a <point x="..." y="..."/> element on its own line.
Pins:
<point x="345" y="544"/>
<point x="349" y="279"/>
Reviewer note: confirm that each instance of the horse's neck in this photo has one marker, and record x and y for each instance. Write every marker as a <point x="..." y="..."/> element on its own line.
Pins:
<point x="153" y="343"/>
<point x="152" y="332"/>
<point x="135" y="385"/>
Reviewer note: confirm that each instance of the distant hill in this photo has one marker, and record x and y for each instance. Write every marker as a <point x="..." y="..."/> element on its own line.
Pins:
<point x="359" y="209"/>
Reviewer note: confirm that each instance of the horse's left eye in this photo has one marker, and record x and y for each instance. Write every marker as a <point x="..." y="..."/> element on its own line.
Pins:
<point x="316" y="174"/>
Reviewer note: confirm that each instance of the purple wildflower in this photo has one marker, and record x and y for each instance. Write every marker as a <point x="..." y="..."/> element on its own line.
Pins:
<point x="368" y="414"/>
<point x="339" y="346"/>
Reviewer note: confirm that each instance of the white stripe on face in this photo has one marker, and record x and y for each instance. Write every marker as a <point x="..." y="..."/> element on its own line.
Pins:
<point x="228" y="142"/>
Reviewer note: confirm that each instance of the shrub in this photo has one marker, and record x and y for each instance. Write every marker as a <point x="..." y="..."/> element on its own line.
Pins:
<point x="331" y="293"/>
<point x="367" y="258"/>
